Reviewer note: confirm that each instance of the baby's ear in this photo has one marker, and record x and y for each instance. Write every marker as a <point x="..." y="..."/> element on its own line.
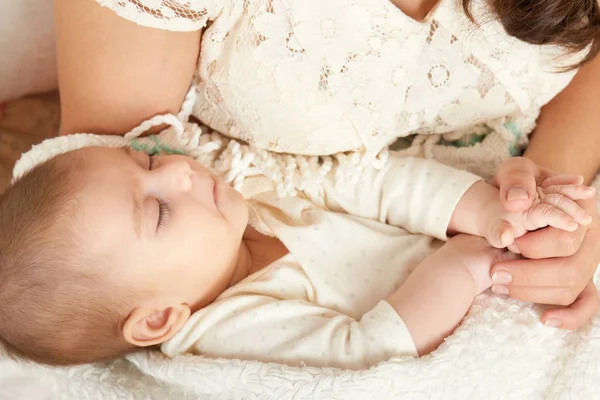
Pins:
<point x="149" y="326"/>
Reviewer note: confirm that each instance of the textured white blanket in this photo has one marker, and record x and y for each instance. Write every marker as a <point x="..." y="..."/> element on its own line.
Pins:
<point x="501" y="351"/>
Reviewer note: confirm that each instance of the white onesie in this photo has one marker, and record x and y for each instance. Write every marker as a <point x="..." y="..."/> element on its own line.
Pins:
<point x="323" y="304"/>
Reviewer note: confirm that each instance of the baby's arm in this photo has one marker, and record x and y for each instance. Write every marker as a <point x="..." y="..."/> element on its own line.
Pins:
<point x="437" y="295"/>
<point x="416" y="194"/>
<point x="264" y="327"/>
<point x="426" y="197"/>
<point x="480" y="212"/>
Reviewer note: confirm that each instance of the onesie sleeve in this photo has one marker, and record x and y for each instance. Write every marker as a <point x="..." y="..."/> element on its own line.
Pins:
<point x="168" y="15"/>
<point x="416" y="194"/>
<point x="294" y="332"/>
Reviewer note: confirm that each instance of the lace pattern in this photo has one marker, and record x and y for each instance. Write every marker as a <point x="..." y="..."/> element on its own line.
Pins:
<point x="177" y="15"/>
<point x="317" y="77"/>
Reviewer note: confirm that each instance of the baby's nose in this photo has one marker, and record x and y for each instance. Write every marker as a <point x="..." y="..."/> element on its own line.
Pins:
<point x="179" y="175"/>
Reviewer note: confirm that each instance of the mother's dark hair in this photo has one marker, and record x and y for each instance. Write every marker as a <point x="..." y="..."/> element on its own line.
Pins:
<point x="572" y="24"/>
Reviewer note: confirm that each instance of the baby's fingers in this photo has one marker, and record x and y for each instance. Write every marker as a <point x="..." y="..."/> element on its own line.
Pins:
<point x="563" y="179"/>
<point x="574" y="192"/>
<point x="544" y="214"/>
<point x="568" y="206"/>
<point x="501" y="234"/>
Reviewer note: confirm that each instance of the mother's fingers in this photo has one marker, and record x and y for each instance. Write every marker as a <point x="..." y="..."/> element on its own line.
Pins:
<point x="526" y="275"/>
<point x="562" y="179"/>
<point x="561" y="296"/>
<point x="575" y="315"/>
<point x="517" y="179"/>
<point x="550" y="242"/>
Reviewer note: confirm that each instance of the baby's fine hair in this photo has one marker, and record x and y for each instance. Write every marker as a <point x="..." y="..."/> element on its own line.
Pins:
<point x="56" y="307"/>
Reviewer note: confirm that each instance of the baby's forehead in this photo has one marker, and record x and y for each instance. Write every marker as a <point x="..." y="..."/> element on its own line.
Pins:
<point x="97" y="168"/>
<point x="109" y="181"/>
<point x="99" y="153"/>
<point x="92" y="159"/>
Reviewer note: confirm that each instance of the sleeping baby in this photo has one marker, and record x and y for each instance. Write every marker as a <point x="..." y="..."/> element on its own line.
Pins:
<point x="107" y="250"/>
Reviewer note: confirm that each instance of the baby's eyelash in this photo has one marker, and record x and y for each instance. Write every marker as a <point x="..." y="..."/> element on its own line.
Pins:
<point x="163" y="213"/>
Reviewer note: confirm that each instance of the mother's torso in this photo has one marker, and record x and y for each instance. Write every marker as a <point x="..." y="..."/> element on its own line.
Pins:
<point x="324" y="76"/>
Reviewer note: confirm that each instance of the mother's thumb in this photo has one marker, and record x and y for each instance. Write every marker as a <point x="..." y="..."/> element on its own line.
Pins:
<point x="517" y="182"/>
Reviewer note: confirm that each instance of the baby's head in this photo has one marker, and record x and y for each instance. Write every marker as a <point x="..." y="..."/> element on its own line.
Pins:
<point x="104" y="250"/>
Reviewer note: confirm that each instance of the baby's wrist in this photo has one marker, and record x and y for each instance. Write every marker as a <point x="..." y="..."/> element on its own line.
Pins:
<point x="476" y="210"/>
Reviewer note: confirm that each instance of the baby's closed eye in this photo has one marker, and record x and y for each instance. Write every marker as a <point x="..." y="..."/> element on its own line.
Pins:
<point x="163" y="213"/>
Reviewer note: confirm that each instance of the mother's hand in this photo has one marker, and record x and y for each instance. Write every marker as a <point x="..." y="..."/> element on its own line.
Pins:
<point x="561" y="264"/>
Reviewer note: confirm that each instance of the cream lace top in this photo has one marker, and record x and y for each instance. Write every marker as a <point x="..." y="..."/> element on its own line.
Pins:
<point x="318" y="77"/>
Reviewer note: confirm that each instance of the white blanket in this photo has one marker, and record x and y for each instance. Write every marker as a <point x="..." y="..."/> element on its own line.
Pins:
<point x="501" y="351"/>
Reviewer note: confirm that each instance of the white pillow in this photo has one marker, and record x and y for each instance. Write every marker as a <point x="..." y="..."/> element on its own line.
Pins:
<point x="27" y="51"/>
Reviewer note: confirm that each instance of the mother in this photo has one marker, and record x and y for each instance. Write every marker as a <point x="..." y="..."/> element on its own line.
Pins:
<point x="318" y="77"/>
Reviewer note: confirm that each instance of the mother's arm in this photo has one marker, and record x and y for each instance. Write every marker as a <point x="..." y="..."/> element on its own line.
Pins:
<point x="567" y="140"/>
<point x="114" y="74"/>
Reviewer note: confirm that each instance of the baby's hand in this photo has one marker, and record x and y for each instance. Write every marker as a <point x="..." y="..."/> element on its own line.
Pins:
<point x="554" y="206"/>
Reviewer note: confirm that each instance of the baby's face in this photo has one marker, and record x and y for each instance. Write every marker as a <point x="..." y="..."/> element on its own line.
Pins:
<point x="165" y="224"/>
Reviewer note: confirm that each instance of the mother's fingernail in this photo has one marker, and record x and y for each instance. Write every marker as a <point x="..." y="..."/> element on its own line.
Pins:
<point x="500" y="289"/>
<point x="553" y="323"/>
<point x="517" y="193"/>
<point x="502" y="277"/>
